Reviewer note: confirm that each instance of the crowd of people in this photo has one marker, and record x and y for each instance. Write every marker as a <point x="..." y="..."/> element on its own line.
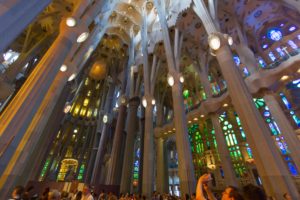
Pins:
<point x="203" y="192"/>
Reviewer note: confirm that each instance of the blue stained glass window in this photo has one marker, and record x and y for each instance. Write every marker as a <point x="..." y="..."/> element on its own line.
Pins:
<point x="236" y="60"/>
<point x="275" y="34"/>
<point x="262" y="63"/>
<point x="285" y="101"/>
<point x="292" y="44"/>
<point x="298" y="36"/>
<point x="280" y="52"/>
<point x="292" y="169"/>
<point x="271" y="55"/>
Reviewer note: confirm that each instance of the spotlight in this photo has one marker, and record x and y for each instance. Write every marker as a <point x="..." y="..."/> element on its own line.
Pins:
<point x="82" y="37"/>
<point x="153" y="101"/>
<point x="71" y="78"/>
<point x="71" y="22"/>
<point x="181" y="79"/>
<point x="284" y="78"/>
<point x="214" y="42"/>
<point x="144" y="102"/>
<point x="170" y="80"/>
<point x="63" y="68"/>
<point x="230" y="40"/>
<point x="105" y="119"/>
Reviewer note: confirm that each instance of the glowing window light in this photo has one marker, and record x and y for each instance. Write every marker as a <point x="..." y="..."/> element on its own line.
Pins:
<point x="262" y="63"/>
<point x="298" y="36"/>
<point x="292" y="28"/>
<point x="289" y="107"/>
<point x="236" y="60"/>
<point x="280" y="52"/>
<point x="271" y="56"/>
<point x="86" y="102"/>
<point x="292" y="44"/>
<point x="275" y="34"/>
<point x="265" y="46"/>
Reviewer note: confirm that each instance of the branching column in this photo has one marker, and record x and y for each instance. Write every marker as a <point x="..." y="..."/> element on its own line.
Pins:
<point x="275" y="176"/>
<point x="185" y="166"/>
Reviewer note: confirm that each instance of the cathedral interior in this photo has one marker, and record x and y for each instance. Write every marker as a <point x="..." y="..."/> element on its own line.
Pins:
<point x="147" y="95"/>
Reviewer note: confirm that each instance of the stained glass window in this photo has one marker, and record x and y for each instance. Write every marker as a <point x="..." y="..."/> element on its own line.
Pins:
<point x="292" y="44"/>
<point x="271" y="56"/>
<point x="275" y="34"/>
<point x="275" y="131"/>
<point x="287" y="104"/>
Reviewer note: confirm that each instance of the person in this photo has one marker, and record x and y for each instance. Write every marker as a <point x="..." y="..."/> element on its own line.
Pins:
<point x="286" y="196"/>
<point x="254" y="192"/>
<point x="86" y="193"/>
<point x="17" y="192"/>
<point x="230" y="193"/>
<point x="54" y="195"/>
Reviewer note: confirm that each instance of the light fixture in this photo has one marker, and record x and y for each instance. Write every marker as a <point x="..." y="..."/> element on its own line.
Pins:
<point x="67" y="108"/>
<point x="195" y="119"/>
<point x="181" y="79"/>
<point x="174" y="129"/>
<point x="214" y="42"/>
<point x="230" y="40"/>
<point x="105" y="119"/>
<point x="144" y="102"/>
<point x="123" y="100"/>
<point x="189" y="122"/>
<point x="166" y="133"/>
<point x="225" y="105"/>
<point x="170" y="80"/>
<point x="284" y="78"/>
<point x="63" y="68"/>
<point x="71" y="22"/>
<point x="71" y="78"/>
<point x="82" y="37"/>
<point x="153" y="101"/>
<point x="202" y="116"/>
<point x="298" y="71"/>
<point x="75" y="130"/>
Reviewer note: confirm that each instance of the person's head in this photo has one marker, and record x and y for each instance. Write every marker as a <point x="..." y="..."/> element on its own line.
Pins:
<point x="231" y="193"/>
<point x="86" y="190"/>
<point x="18" y="191"/>
<point x="254" y="192"/>
<point x="287" y="196"/>
<point x="54" y="195"/>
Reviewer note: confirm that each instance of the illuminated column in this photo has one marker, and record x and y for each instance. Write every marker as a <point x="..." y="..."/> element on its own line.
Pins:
<point x="227" y="166"/>
<point x="15" y="17"/>
<point x="284" y="126"/>
<point x="19" y="119"/>
<point x="185" y="166"/>
<point x="275" y="176"/>
<point x="131" y="128"/>
<point x="162" y="180"/>
<point x="104" y="134"/>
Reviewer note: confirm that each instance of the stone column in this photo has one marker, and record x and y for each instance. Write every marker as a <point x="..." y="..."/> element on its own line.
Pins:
<point x="131" y="127"/>
<point x="116" y="161"/>
<point x="285" y="127"/>
<point x="162" y="182"/>
<point x="104" y="135"/>
<point x="15" y="17"/>
<point x="229" y="175"/>
<point x="275" y="176"/>
<point x="23" y="113"/>
<point x="185" y="166"/>
<point x="148" y="162"/>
